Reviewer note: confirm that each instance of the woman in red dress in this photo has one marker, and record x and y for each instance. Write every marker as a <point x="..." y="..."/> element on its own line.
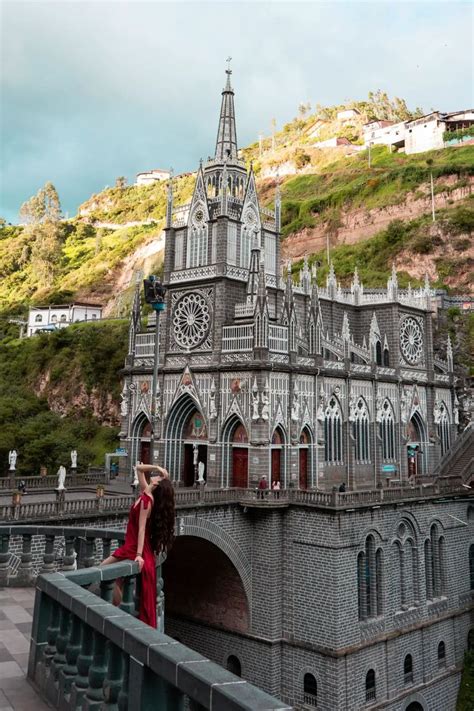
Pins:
<point x="150" y="531"/>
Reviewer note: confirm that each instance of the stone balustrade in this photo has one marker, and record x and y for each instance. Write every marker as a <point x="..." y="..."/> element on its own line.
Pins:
<point x="86" y="653"/>
<point x="50" y="481"/>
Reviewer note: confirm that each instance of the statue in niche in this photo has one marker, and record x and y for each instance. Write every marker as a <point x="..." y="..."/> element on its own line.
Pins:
<point x="265" y="405"/>
<point x="378" y="409"/>
<point x="436" y="413"/>
<point x="404" y="405"/>
<point x="212" y="402"/>
<point x="295" y="408"/>
<point x="320" y="414"/>
<point x="352" y="408"/>
<point x="124" y="402"/>
<point x="255" y="402"/>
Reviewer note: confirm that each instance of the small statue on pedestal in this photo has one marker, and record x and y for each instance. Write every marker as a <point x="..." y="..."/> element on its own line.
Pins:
<point x="73" y="459"/>
<point x="12" y="457"/>
<point x="201" y="468"/>
<point x="61" y="478"/>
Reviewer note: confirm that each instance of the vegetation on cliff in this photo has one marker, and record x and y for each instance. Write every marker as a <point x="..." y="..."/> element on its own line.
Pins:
<point x="56" y="392"/>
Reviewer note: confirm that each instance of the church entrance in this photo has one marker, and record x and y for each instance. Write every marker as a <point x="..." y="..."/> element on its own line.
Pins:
<point x="276" y="457"/>
<point x="144" y="446"/>
<point x="240" y="457"/>
<point x="415" y="447"/>
<point x="193" y="452"/>
<point x="240" y="466"/>
<point x="304" y="460"/>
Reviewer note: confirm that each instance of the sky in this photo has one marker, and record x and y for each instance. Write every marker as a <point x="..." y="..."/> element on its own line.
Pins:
<point x="94" y="90"/>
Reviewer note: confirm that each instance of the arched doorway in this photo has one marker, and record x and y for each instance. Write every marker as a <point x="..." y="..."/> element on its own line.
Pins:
<point x="415" y="706"/>
<point x="140" y="440"/>
<point x="416" y="446"/>
<point x="186" y="441"/>
<point x="304" y="458"/>
<point x="235" y="466"/>
<point x="202" y="585"/>
<point x="277" y="463"/>
<point x="240" y="457"/>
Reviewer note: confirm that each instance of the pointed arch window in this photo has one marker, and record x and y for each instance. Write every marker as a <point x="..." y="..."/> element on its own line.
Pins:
<point x="387" y="431"/>
<point x="441" y="654"/>
<point x="386" y="356"/>
<point x="443" y="429"/>
<point x="378" y="352"/>
<point x="360" y="430"/>
<point x="197" y="247"/>
<point x="435" y="564"/>
<point x="471" y="566"/>
<point x="408" y="669"/>
<point x="333" y="433"/>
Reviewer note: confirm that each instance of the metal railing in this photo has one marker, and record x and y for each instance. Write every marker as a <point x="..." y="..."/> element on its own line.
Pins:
<point x="462" y="446"/>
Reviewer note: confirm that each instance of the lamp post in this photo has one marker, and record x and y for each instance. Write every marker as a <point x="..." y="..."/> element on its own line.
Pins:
<point x="154" y="295"/>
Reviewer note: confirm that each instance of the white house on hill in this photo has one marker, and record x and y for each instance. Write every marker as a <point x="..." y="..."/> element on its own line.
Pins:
<point x="152" y="176"/>
<point x="50" y="318"/>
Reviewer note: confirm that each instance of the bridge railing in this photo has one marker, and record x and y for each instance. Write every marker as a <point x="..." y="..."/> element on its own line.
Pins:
<point x="189" y="498"/>
<point x="50" y="481"/>
<point x="87" y="653"/>
<point x="464" y="445"/>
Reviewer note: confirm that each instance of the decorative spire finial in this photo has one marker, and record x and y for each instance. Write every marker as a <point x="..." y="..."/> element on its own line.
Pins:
<point x="226" y="143"/>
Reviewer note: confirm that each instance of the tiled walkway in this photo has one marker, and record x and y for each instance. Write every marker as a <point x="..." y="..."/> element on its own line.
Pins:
<point x="16" y="611"/>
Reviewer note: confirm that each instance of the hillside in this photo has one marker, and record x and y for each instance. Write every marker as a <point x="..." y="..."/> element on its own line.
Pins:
<point x="59" y="392"/>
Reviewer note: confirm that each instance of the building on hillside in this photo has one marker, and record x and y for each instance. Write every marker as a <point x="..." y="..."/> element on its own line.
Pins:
<point x="348" y="115"/>
<point x="315" y="129"/>
<point x="333" y="142"/>
<point x="152" y="176"/>
<point x="325" y="599"/>
<point x="385" y="133"/>
<point x="42" y="319"/>
<point x="442" y="300"/>
<point x="268" y="373"/>
<point x="427" y="132"/>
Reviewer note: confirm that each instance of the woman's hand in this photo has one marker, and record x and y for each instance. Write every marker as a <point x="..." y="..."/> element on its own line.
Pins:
<point x="140" y="561"/>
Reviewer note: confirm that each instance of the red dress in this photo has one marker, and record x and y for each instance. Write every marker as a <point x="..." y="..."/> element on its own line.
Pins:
<point x="128" y="551"/>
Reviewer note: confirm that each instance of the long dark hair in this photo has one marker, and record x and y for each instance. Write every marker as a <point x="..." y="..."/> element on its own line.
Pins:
<point x="162" y="517"/>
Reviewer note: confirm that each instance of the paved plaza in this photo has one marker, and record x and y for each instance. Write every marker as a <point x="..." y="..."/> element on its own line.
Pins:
<point x="16" y="616"/>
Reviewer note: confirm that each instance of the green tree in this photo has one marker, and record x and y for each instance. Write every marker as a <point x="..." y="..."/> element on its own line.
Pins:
<point x="42" y="207"/>
<point x="121" y="182"/>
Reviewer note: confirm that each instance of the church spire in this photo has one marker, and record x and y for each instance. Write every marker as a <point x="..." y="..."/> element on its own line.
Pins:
<point x="226" y="144"/>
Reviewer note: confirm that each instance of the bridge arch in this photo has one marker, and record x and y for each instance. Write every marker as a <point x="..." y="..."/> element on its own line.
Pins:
<point x="207" y="577"/>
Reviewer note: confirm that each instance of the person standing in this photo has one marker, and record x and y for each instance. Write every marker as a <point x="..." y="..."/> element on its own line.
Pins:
<point x="262" y="487"/>
<point x="150" y="531"/>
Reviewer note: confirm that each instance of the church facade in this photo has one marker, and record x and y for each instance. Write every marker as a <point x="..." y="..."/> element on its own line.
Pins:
<point x="263" y="371"/>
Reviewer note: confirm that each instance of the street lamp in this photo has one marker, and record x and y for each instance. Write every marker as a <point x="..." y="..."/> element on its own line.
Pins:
<point x="155" y="296"/>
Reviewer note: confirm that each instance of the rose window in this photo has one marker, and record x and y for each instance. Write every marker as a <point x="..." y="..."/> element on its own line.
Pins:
<point x="191" y="320"/>
<point x="411" y="340"/>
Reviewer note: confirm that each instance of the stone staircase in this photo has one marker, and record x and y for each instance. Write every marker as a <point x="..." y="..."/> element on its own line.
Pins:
<point x="459" y="460"/>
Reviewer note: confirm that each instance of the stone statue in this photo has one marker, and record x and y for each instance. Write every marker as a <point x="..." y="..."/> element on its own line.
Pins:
<point x="61" y="478"/>
<point x="295" y="408"/>
<point x="404" y="405"/>
<point x="255" y="404"/>
<point x="436" y="413"/>
<point x="352" y="408"/>
<point x="201" y="468"/>
<point x="124" y="402"/>
<point x="320" y="414"/>
<point x="212" y="402"/>
<point x="195" y="454"/>
<point x="456" y="410"/>
<point x="12" y="457"/>
<point x="265" y="405"/>
<point x="74" y="459"/>
<point x="378" y="409"/>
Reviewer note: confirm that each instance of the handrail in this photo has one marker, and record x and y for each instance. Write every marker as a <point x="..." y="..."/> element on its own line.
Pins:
<point x="86" y="652"/>
<point x="50" y="481"/>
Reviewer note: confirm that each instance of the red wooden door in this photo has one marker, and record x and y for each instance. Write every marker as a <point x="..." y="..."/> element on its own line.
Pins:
<point x="240" y="467"/>
<point x="276" y="464"/>
<point x="303" y="468"/>
<point x="144" y="452"/>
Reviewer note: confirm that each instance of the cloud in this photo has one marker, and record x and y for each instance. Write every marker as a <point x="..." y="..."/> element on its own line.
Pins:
<point x="93" y="90"/>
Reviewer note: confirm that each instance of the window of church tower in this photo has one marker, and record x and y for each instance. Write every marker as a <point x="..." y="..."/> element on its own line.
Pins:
<point x="378" y="353"/>
<point x="197" y="246"/>
<point x="179" y="251"/>
<point x="270" y="253"/>
<point x="245" y="240"/>
<point x="232" y="243"/>
<point x="443" y="429"/>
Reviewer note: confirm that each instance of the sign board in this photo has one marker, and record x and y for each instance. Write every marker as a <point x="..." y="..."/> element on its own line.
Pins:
<point x="389" y="468"/>
<point x="120" y="450"/>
